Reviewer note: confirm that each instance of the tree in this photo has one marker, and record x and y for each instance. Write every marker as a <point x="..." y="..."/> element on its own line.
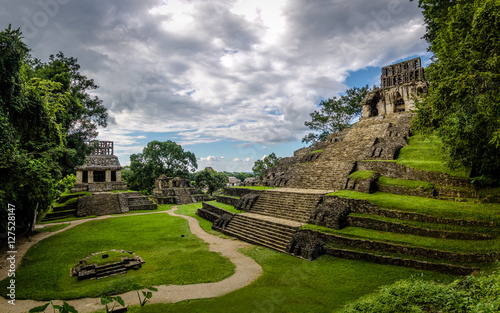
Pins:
<point x="85" y="112"/>
<point x="159" y="158"/>
<point x="266" y="162"/>
<point x="463" y="103"/>
<point x="32" y="137"/>
<point x="335" y="114"/>
<point x="210" y="179"/>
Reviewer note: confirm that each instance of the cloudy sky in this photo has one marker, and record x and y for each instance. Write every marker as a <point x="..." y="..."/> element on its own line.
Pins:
<point x="230" y="80"/>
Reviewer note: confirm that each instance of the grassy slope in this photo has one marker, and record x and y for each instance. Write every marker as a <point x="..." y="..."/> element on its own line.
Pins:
<point x="425" y="153"/>
<point x="435" y="207"/>
<point x="170" y="258"/>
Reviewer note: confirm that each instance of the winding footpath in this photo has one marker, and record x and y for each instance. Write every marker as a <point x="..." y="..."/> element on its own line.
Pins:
<point x="246" y="271"/>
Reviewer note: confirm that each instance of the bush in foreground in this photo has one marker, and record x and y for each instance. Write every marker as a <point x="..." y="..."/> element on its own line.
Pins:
<point x="471" y="294"/>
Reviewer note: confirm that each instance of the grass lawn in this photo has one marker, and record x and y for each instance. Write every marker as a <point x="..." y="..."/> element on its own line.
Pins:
<point x="290" y="284"/>
<point x="226" y="207"/>
<point x="434" y="207"/>
<point x="425" y="153"/>
<point x="170" y="258"/>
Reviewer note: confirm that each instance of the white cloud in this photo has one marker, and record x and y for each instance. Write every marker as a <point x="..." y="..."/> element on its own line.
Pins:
<point x="215" y="70"/>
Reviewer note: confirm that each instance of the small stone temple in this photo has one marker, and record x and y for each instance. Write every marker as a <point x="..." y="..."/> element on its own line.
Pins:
<point x="101" y="170"/>
<point x="176" y="190"/>
<point x="400" y="84"/>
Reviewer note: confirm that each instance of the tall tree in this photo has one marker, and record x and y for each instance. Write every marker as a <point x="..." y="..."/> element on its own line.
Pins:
<point x="335" y="114"/>
<point x="210" y="179"/>
<point x="85" y="112"/>
<point x="158" y="158"/>
<point x="463" y="103"/>
<point x="267" y="162"/>
<point x="32" y="138"/>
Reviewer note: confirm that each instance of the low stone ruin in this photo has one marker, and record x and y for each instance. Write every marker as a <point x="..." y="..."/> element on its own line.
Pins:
<point x="83" y="270"/>
<point x="176" y="190"/>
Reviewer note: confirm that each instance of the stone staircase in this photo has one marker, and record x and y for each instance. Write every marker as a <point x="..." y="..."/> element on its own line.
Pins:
<point x="338" y="159"/>
<point x="182" y="196"/>
<point x="294" y="206"/>
<point x="273" y="233"/>
<point x="137" y="202"/>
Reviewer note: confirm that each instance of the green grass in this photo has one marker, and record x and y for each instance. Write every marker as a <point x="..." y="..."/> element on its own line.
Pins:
<point x="445" y="227"/>
<point x="58" y="205"/>
<point x="451" y="245"/>
<point x="290" y="284"/>
<point x="224" y="206"/>
<point x="190" y="210"/>
<point x="170" y="258"/>
<point x="362" y="175"/>
<point x="69" y="193"/>
<point x="68" y="219"/>
<point x="429" y="206"/>
<point x="316" y="151"/>
<point x="408" y="183"/>
<point x="255" y="187"/>
<point x="113" y="257"/>
<point x="426" y="153"/>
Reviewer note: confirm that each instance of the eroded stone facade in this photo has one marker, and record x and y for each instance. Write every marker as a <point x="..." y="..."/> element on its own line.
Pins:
<point x="101" y="170"/>
<point x="401" y="84"/>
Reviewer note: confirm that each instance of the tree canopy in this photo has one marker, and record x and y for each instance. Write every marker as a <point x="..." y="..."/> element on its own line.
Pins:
<point x="463" y="103"/>
<point x="159" y="157"/>
<point x="210" y="179"/>
<point x="36" y="120"/>
<point x="267" y="162"/>
<point x="335" y="114"/>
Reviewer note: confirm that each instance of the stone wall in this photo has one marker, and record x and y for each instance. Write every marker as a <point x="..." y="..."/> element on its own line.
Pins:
<point x="98" y="204"/>
<point x="239" y="192"/>
<point x="227" y="200"/>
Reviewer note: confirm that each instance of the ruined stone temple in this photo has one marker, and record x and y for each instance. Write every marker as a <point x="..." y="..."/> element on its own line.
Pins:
<point x="101" y="175"/>
<point x="176" y="190"/>
<point x="400" y="85"/>
<point x="101" y="170"/>
<point x="274" y="217"/>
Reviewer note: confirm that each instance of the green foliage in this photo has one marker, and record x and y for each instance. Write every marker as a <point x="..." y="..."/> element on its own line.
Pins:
<point x="463" y="102"/>
<point x="240" y="175"/>
<point x="64" y="308"/>
<point x="105" y="300"/>
<point x="335" y="114"/>
<point x="38" y="123"/>
<point x="159" y="157"/>
<point x="267" y="162"/>
<point x="147" y="295"/>
<point x="475" y="294"/>
<point x="210" y="180"/>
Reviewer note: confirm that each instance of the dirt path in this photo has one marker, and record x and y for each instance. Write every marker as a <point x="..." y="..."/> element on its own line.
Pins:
<point x="246" y="271"/>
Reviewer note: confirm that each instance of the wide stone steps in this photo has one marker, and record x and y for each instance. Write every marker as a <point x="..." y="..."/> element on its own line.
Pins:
<point x="265" y="233"/>
<point x="287" y="205"/>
